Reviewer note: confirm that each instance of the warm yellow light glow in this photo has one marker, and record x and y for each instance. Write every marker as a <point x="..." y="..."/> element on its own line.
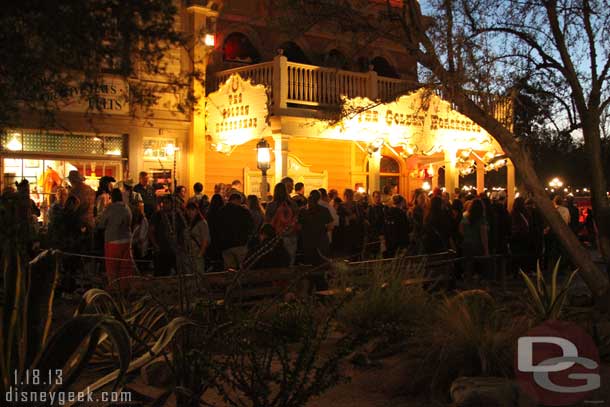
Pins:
<point x="115" y="152"/>
<point x="555" y="183"/>
<point x="209" y="40"/>
<point x="14" y="144"/>
<point x="430" y="171"/>
<point x="426" y="186"/>
<point x="361" y="190"/>
<point x="170" y="149"/>
<point x="264" y="156"/>
<point x="465" y="154"/>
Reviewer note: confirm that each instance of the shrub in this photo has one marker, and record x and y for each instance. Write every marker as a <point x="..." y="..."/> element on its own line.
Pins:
<point x="386" y="308"/>
<point x="468" y="336"/>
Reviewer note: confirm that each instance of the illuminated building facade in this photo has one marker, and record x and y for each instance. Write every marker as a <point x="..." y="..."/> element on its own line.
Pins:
<point x="333" y="116"/>
<point x="336" y="117"/>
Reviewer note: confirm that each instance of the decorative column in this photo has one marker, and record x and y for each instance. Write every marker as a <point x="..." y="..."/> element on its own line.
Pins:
<point x="196" y="142"/>
<point x="510" y="183"/>
<point x="452" y="177"/>
<point x="280" y="82"/>
<point x="371" y="84"/>
<point x="480" y="177"/>
<point x="374" y="170"/>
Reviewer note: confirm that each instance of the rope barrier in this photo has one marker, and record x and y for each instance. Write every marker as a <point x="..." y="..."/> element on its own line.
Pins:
<point x="90" y="256"/>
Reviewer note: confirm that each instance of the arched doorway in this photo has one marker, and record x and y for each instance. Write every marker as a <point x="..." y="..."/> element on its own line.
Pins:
<point x="383" y="68"/>
<point x="237" y="47"/>
<point x="389" y="173"/>
<point x="294" y="53"/>
<point x="336" y="59"/>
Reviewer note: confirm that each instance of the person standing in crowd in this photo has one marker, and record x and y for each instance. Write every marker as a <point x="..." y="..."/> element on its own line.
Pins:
<point x="437" y="228"/>
<point x="475" y="241"/>
<point x="147" y="192"/>
<point x="236" y="188"/>
<point x="268" y="253"/>
<point x="521" y="242"/>
<point x="281" y="213"/>
<point x="102" y="201"/>
<point x="139" y="222"/>
<point x="563" y="211"/>
<point x="501" y="232"/>
<point x="376" y="220"/>
<point x="574" y="215"/>
<point x="236" y="227"/>
<point x="457" y="212"/>
<point x="289" y="184"/>
<point x="351" y="225"/>
<point x="197" y="238"/>
<point x="299" y="195"/>
<point x="86" y="198"/>
<point x="132" y="199"/>
<point x="256" y="211"/>
<point x="102" y="196"/>
<point x="181" y="196"/>
<point x="537" y="229"/>
<point x="200" y="199"/>
<point x="213" y="253"/>
<point x="386" y="197"/>
<point x="116" y="223"/>
<point x="315" y="221"/>
<point x="397" y="228"/>
<point x="166" y="236"/>
<point x="325" y="202"/>
<point x="418" y="214"/>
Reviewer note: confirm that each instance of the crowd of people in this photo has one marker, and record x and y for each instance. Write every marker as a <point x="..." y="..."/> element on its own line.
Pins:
<point x="138" y="224"/>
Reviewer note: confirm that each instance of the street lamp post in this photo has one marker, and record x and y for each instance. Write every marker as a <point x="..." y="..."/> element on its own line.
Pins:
<point x="555" y="183"/>
<point x="263" y="162"/>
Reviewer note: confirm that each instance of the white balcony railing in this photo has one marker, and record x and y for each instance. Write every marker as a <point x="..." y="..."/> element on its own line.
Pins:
<point x="300" y="85"/>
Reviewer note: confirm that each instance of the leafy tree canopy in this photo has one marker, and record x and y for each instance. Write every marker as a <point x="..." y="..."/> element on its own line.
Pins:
<point x="48" y="46"/>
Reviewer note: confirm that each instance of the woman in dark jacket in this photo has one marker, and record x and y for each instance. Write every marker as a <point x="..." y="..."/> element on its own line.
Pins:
<point x="213" y="253"/>
<point x="396" y="227"/>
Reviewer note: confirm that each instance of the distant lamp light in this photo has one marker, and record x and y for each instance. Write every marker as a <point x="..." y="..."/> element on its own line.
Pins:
<point x="263" y="155"/>
<point x="426" y="186"/>
<point x="14" y="144"/>
<point x="170" y="149"/>
<point x="361" y="190"/>
<point x="430" y="171"/>
<point x="209" y="40"/>
<point x="555" y="183"/>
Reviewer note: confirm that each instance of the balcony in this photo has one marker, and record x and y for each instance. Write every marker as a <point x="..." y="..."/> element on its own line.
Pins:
<point x="294" y="85"/>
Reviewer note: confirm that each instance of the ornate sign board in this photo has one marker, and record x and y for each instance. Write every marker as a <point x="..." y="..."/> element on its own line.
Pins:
<point x="236" y="113"/>
<point x="110" y="96"/>
<point x="421" y="119"/>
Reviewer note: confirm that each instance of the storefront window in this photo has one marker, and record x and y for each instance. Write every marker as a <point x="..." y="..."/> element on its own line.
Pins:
<point x="61" y="143"/>
<point x="157" y="149"/>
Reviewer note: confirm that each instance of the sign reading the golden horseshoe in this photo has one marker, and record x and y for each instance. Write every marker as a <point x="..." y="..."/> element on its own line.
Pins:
<point x="236" y="112"/>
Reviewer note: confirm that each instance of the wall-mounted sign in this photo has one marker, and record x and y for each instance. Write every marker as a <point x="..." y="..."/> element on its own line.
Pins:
<point x="421" y="119"/>
<point x="109" y="96"/>
<point x="236" y="113"/>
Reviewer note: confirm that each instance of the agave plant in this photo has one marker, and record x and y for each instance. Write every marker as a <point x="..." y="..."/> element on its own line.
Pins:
<point x="26" y="342"/>
<point x="547" y="301"/>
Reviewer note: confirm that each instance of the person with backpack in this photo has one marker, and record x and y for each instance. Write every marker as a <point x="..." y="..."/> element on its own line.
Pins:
<point x="281" y="213"/>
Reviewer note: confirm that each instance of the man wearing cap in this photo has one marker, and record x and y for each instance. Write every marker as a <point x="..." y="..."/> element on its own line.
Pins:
<point x="86" y="197"/>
